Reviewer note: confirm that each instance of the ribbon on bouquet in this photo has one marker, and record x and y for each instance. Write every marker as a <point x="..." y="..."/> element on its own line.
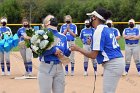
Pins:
<point x="8" y="42"/>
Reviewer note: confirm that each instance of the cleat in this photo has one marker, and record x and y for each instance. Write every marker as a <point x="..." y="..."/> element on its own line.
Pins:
<point x="125" y="73"/>
<point x="66" y="73"/>
<point x="85" y="73"/>
<point x="8" y="73"/>
<point x="3" y="73"/>
<point x="72" y="73"/>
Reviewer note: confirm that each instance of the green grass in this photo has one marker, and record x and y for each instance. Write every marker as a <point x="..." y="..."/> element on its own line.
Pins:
<point x="121" y="42"/>
<point x="79" y="43"/>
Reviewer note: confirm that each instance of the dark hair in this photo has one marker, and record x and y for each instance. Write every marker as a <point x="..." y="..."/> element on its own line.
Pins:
<point x="104" y="13"/>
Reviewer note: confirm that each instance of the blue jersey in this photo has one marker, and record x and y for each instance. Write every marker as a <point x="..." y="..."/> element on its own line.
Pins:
<point x="49" y="55"/>
<point x="105" y="42"/>
<point x="85" y="34"/>
<point x="131" y="32"/>
<point x="5" y="30"/>
<point x="21" y="31"/>
<point x="116" y="31"/>
<point x="72" y="27"/>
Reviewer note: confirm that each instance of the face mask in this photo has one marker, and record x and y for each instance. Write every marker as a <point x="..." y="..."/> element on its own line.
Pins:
<point x="109" y="25"/>
<point x="87" y="26"/>
<point x="67" y="22"/>
<point x="26" y="26"/>
<point x="131" y="25"/>
<point x="4" y="24"/>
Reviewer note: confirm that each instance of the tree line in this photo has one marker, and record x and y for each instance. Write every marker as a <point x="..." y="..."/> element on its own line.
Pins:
<point x="15" y="10"/>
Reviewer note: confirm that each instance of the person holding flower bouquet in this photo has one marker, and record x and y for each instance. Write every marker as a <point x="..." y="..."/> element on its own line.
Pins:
<point x="51" y="75"/>
<point x="5" y="31"/>
<point x="24" y="48"/>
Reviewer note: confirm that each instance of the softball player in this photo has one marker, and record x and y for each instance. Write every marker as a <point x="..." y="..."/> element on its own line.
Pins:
<point x="51" y="74"/>
<point x="131" y="36"/>
<point x="25" y="52"/>
<point x="5" y="30"/>
<point x="70" y="30"/>
<point x="86" y="36"/>
<point x="106" y="49"/>
<point x="115" y="30"/>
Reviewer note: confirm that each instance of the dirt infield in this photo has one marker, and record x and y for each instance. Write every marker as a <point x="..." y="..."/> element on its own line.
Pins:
<point x="74" y="84"/>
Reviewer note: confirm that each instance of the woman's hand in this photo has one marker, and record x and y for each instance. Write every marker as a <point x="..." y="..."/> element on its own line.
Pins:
<point x="74" y="47"/>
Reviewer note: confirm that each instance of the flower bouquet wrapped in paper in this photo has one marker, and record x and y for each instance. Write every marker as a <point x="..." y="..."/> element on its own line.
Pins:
<point x="41" y="41"/>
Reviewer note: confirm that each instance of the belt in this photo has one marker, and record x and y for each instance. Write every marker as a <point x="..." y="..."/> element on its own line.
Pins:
<point x="52" y="62"/>
<point x="70" y="40"/>
<point x="131" y="43"/>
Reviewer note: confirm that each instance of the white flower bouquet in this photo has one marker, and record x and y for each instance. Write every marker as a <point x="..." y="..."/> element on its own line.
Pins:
<point x="41" y="41"/>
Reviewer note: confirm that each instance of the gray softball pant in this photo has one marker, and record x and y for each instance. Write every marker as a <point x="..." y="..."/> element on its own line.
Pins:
<point x="132" y="50"/>
<point x="26" y="54"/>
<point x="72" y="53"/>
<point x="7" y="57"/>
<point x="51" y="78"/>
<point x="113" y="70"/>
<point x="88" y="48"/>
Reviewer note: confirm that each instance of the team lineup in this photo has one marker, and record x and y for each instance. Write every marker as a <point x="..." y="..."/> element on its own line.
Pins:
<point x="100" y="44"/>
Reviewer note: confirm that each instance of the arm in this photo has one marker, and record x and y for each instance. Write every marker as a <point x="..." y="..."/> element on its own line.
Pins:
<point x="89" y="54"/>
<point x="126" y="36"/>
<point x="118" y="35"/>
<point x="74" y="32"/>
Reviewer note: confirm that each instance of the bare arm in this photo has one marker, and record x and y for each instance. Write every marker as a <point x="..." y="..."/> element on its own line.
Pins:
<point x="118" y="37"/>
<point x="89" y="54"/>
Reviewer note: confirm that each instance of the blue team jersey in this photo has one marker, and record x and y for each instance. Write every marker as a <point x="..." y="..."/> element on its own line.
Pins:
<point x="72" y="27"/>
<point x="105" y="42"/>
<point x="49" y="55"/>
<point x="21" y="31"/>
<point x="131" y="32"/>
<point x="85" y="34"/>
<point x="116" y="31"/>
<point x="5" y="30"/>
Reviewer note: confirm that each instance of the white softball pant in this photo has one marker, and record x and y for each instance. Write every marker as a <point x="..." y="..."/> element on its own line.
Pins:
<point x="113" y="70"/>
<point x="51" y="78"/>
<point x="86" y="59"/>
<point x="72" y="53"/>
<point x="131" y="50"/>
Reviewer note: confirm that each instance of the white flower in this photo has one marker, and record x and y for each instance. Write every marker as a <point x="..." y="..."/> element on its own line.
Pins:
<point x="35" y="48"/>
<point x="34" y="39"/>
<point x="45" y="36"/>
<point x="38" y="41"/>
<point x="40" y="32"/>
<point x="43" y="44"/>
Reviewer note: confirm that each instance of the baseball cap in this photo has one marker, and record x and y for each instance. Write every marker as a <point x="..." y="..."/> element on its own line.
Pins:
<point x="3" y="20"/>
<point x="131" y="21"/>
<point x="109" y="21"/>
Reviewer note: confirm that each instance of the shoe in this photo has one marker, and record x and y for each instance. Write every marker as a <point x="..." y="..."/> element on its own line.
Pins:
<point x="72" y="73"/>
<point x="139" y="74"/>
<point x="3" y="73"/>
<point x="66" y="73"/>
<point x="125" y="73"/>
<point x="26" y="74"/>
<point x="95" y="73"/>
<point x="29" y="73"/>
<point x="8" y="73"/>
<point x="85" y="73"/>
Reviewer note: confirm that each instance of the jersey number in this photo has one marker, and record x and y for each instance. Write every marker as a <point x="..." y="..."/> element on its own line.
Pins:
<point x="114" y="41"/>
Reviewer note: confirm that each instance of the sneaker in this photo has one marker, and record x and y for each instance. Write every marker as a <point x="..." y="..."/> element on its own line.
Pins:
<point x="138" y="73"/>
<point x="95" y="73"/>
<point x="66" y="73"/>
<point x="72" y="73"/>
<point x="85" y="73"/>
<point x="26" y="74"/>
<point x="125" y="73"/>
<point x="3" y="73"/>
<point x="29" y="73"/>
<point x="8" y="73"/>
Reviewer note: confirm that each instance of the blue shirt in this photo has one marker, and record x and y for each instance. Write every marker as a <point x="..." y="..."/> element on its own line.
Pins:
<point x="105" y="42"/>
<point x="21" y="31"/>
<point x="49" y="55"/>
<point x="72" y="27"/>
<point x="5" y="30"/>
<point x="131" y="32"/>
<point x="116" y="31"/>
<point x="85" y="34"/>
